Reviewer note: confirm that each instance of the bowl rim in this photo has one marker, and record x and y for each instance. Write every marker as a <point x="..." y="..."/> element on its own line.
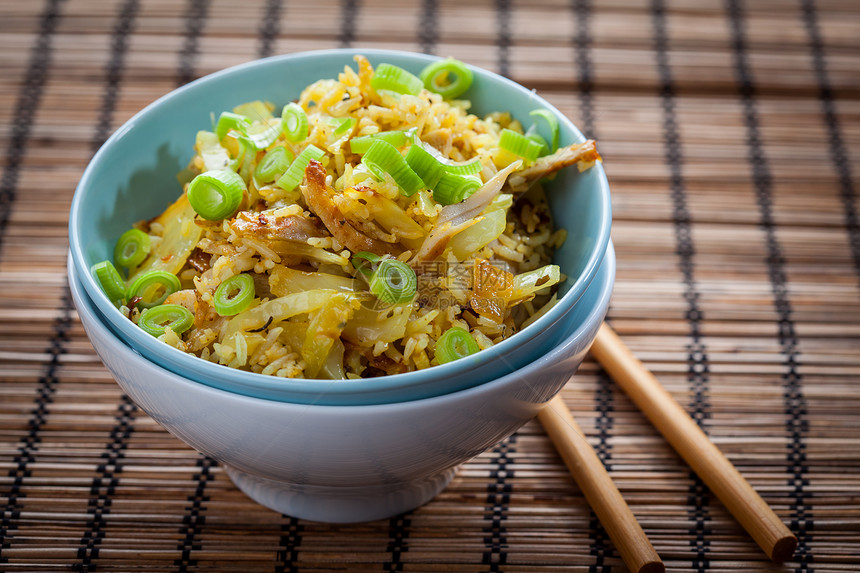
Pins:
<point x="595" y="314"/>
<point x="305" y="386"/>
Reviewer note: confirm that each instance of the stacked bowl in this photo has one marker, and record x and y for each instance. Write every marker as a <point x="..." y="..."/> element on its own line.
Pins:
<point x="335" y="451"/>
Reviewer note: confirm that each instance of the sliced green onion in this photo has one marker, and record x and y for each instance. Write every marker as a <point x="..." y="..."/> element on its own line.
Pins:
<point x="262" y="134"/>
<point x="234" y="295"/>
<point x="449" y="78"/>
<point x="156" y="320"/>
<point x="382" y="158"/>
<point x="519" y="144"/>
<point x="544" y="146"/>
<point x="364" y="262"/>
<point x="341" y="124"/>
<point x="273" y="164"/>
<point x="360" y="145"/>
<point x="395" y="79"/>
<point x="245" y="157"/>
<point x="394" y="282"/>
<point x="467" y="168"/>
<point x="295" y="122"/>
<point x="296" y="172"/>
<point x="425" y="164"/>
<point x="110" y="281"/>
<point x="454" y="188"/>
<point x="131" y="248"/>
<point x="153" y="287"/>
<point x="229" y="120"/>
<point x="216" y="195"/>
<point x="454" y="344"/>
<point x="552" y="121"/>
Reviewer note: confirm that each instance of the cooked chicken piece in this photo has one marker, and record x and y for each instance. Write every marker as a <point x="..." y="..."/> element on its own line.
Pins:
<point x="289" y="228"/>
<point x="441" y="139"/>
<point x="380" y="365"/>
<point x="317" y="197"/>
<point x="186" y="298"/>
<point x="199" y="260"/>
<point x="585" y="154"/>
<point x="191" y="299"/>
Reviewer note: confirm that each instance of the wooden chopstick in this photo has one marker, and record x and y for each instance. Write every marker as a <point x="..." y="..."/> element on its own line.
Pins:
<point x="693" y="445"/>
<point x="599" y="490"/>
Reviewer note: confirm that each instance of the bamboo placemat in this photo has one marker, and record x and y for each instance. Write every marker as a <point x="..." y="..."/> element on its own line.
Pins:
<point x="731" y="136"/>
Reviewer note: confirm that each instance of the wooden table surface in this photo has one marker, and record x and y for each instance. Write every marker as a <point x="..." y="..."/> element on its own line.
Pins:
<point x="731" y="138"/>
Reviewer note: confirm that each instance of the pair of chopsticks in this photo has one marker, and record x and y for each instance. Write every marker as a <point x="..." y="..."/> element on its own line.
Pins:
<point x="684" y="435"/>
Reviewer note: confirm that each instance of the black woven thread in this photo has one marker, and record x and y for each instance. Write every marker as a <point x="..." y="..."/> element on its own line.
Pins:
<point x="106" y="480"/>
<point x="428" y="26"/>
<point x="585" y="71"/>
<point x="838" y="152"/>
<point x="599" y="545"/>
<point x="797" y="424"/>
<point x="398" y="534"/>
<point x="697" y="360"/>
<point x="29" y="446"/>
<point x="503" y="41"/>
<point x="195" y="19"/>
<point x="195" y="517"/>
<point x="29" y="99"/>
<point x="113" y="72"/>
<point x="104" y="485"/>
<point x="291" y="539"/>
<point x="270" y="27"/>
<point x="498" y="500"/>
<point x="348" y="15"/>
<point x="604" y="406"/>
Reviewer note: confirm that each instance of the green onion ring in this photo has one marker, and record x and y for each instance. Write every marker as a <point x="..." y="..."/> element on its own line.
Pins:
<point x="552" y="121"/>
<point x="394" y="282"/>
<point x="454" y="344"/>
<point x="273" y="164"/>
<point x="454" y="188"/>
<point x="395" y="79"/>
<point x="131" y="248"/>
<point x="382" y="158"/>
<point x="295" y="122"/>
<point x="296" y="171"/>
<point x="110" y="280"/>
<point x="216" y="194"/>
<point x="228" y="121"/>
<point x="364" y="262"/>
<point x="234" y="295"/>
<point x="148" y="283"/>
<point x="157" y="320"/>
<point x="397" y="138"/>
<point x="425" y="164"/>
<point x="519" y="144"/>
<point x="442" y="71"/>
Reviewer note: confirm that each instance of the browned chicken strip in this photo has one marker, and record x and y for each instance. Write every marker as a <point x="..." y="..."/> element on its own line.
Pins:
<point x="583" y="153"/>
<point x="317" y="197"/>
<point x="289" y="228"/>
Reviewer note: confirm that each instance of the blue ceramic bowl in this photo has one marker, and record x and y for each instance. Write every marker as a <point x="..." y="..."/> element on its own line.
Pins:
<point x="133" y="177"/>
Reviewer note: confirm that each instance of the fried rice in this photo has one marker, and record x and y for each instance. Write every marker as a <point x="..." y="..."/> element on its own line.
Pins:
<point x="482" y="264"/>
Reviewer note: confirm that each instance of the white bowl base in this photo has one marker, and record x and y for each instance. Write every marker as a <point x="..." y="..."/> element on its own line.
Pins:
<point x="338" y="504"/>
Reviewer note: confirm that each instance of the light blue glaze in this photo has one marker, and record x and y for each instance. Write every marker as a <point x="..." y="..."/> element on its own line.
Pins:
<point x="133" y="177"/>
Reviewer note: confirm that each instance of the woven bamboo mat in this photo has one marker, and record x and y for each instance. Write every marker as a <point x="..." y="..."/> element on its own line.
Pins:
<point x="731" y="136"/>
